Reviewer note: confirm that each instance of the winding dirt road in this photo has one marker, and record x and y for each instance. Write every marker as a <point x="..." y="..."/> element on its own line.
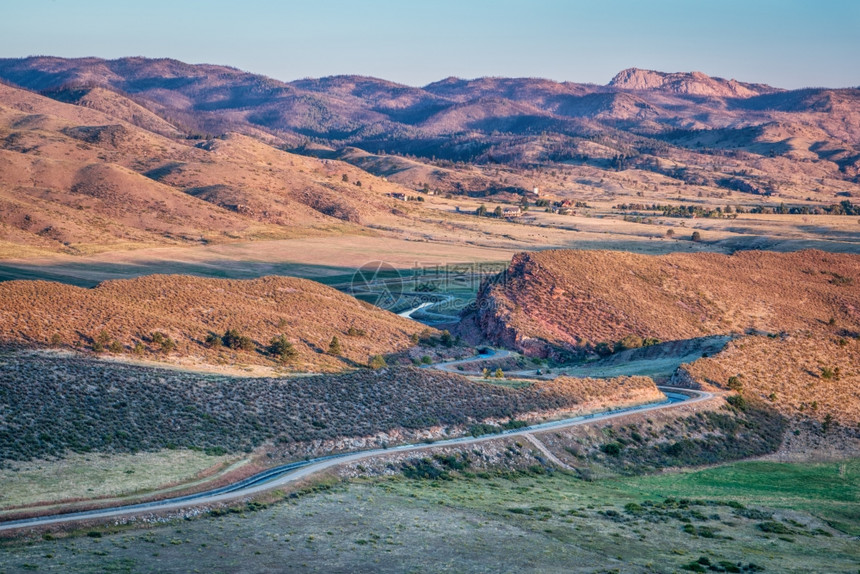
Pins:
<point x="290" y="473"/>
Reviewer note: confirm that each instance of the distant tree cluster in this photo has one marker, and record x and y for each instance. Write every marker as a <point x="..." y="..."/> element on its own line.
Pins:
<point x="334" y="348"/>
<point x="842" y="208"/>
<point x="687" y="211"/>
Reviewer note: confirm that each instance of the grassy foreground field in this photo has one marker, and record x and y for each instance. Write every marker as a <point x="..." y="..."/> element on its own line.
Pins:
<point x="829" y="491"/>
<point x="85" y="476"/>
<point x="510" y="523"/>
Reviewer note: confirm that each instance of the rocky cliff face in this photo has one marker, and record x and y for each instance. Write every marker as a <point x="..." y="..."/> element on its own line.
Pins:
<point x="504" y="303"/>
<point x="688" y="83"/>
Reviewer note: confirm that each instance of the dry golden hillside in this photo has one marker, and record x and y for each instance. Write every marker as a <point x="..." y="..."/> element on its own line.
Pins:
<point x="245" y="176"/>
<point x="118" y="106"/>
<point x="87" y="177"/>
<point x="555" y="301"/>
<point x="805" y="374"/>
<point x="121" y="315"/>
<point x="596" y="394"/>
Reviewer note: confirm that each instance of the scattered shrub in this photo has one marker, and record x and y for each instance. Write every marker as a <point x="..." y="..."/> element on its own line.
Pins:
<point x="629" y="342"/>
<point x="829" y="373"/>
<point x="235" y="340"/>
<point x="168" y="345"/>
<point x="774" y="527"/>
<point x="282" y="349"/>
<point x="446" y="339"/>
<point x="423" y="468"/>
<point x="377" y="362"/>
<point x="737" y="401"/>
<point x="334" y="348"/>
<point x="101" y="341"/>
<point x="735" y="384"/>
<point x="604" y="349"/>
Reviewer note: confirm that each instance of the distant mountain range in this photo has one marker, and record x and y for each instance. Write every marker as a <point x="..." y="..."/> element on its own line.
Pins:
<point x="97" y="153"/>
<point x="470" y="120"/>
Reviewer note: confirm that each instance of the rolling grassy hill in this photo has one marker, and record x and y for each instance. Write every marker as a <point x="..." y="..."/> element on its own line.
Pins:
<point x="186" y="309"/>
<point x="575" y="298"/>
<point x="76" y="179"/>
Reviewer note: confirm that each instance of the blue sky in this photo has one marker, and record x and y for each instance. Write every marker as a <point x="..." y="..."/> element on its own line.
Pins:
<point x="787" y="43"/>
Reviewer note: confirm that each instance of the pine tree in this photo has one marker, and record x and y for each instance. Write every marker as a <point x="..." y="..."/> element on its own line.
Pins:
<point x="282" y="349"/>
<point x="446" y="339"/>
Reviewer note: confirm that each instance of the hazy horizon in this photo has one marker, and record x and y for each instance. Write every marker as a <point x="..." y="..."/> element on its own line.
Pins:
<point x="788" y="44"/>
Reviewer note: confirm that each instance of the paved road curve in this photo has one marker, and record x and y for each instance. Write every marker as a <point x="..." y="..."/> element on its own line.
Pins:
<point x="451" y="366"/>
<point x="286" y="474"/>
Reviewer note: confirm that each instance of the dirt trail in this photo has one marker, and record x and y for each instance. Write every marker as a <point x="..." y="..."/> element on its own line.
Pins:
<point x="542" y="447"/>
